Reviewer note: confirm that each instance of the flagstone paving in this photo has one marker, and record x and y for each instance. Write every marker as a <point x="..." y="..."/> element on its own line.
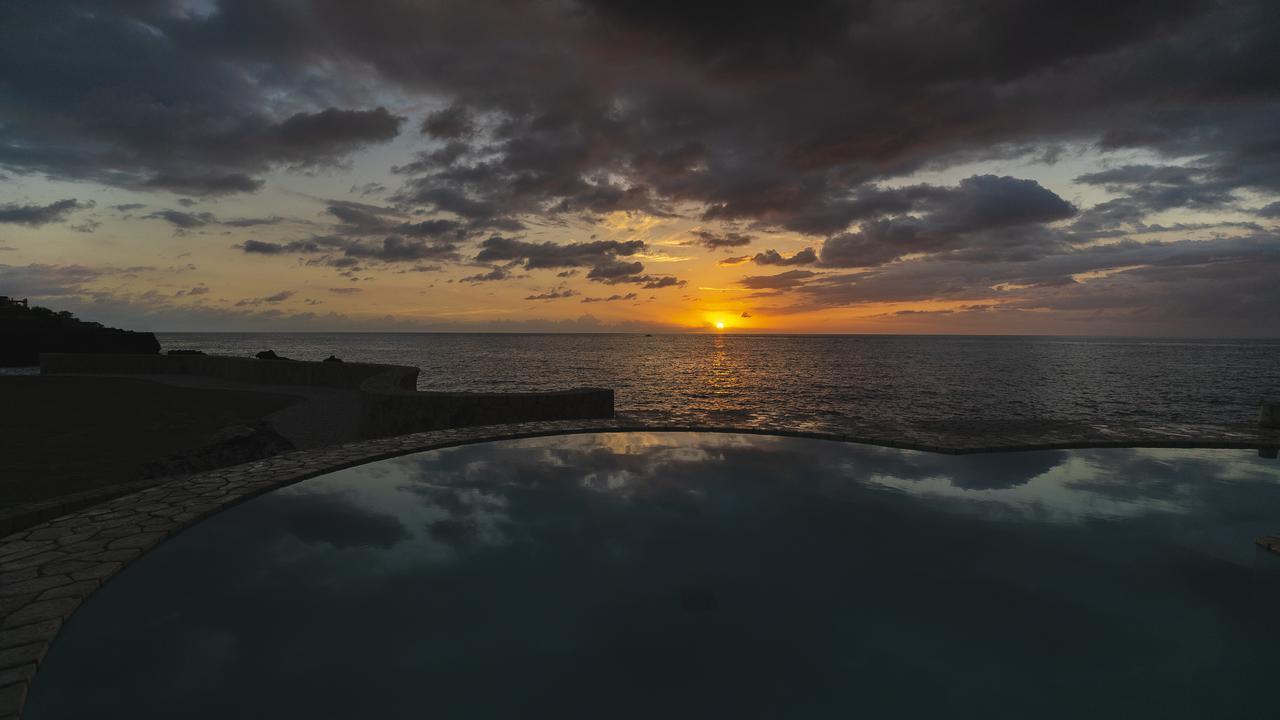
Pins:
<point x="47" y="571"/>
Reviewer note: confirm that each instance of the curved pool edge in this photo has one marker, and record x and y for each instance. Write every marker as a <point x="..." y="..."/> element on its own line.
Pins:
<point x="48" y="571"/>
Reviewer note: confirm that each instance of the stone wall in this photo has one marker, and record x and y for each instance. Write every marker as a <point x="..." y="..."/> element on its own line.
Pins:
<point x="389" y="404"/>
<point x="232" y="369"/>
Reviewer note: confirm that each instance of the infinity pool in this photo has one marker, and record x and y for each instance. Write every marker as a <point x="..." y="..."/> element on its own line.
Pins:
<point x="703" y="575"/>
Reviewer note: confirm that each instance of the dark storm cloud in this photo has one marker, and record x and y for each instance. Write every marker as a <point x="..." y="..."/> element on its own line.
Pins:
<point x="737" y="36"/>
<point x="367" y="189"/>
<point x="876" y="243"/>
<point x="302" y="134"/>
<point x="431" y="228"/>
<point x="715" y="241"/>
<point x="1270" y="211"/>
<point x="394" y="248"/>
<point x="495" y="273"/>
<point x="147" y="95"/>
<point x="603" y="198"/>
<point x="268" y="300"/>
<point x="447" y="199"/>
<point x="354" y="237"/>
<point x="601" y="256"/>
<point x="195" y="183"/>
<point x="553" y="295"/>
<point x="611" y="298"/>
<point x="191" y="220"/>
<point x="657" y="282"/>
<point x="806" y="256"/>
<point x="620" y="273"/>
<point x="252" y="222"/>
<point x="781" y="281"/>
<point x="307" y="246"/>
<point x="362" y="219"/>
<point x="615" y="270"/>
<point x="985" y="202"/>
<point x="183" y="220"/>
<point x="839" y="93"/>
<point x="260" y="247"/>
<point x="360" y="216"/>
<point x="1147" y="189"/>
<point x="983" y="218"/>
<point x="451" y="123"/>
<point x="1209" y="286"/>
<point x="37" y="215"/>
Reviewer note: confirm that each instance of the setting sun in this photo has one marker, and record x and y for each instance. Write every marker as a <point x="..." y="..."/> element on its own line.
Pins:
<point x="719" y="325"/>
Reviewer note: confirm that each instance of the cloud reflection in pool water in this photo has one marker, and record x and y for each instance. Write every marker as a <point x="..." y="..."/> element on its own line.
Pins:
<point x="679" y="574"/>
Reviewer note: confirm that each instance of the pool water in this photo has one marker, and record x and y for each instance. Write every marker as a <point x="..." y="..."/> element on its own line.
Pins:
<point x="703" y="575"/>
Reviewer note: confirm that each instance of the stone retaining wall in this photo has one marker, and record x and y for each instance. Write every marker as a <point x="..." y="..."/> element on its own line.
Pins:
<point x="234" y="369"/>
<point x="389" y="402"/>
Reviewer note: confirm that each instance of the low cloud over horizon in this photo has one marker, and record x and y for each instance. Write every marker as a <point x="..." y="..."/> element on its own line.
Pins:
<point x="812" y="166"/>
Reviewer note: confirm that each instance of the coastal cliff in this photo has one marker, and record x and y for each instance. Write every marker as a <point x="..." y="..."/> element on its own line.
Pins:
<point x="27" y="331"/>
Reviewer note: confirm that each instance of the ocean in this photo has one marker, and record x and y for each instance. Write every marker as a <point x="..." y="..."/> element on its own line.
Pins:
<point x="909" y="384"/>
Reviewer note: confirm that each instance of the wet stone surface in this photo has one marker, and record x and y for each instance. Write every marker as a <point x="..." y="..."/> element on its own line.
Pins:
<point x="47" y="571"/>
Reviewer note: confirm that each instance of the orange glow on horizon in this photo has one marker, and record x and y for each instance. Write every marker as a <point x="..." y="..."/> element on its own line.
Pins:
<point x="720" y="320"/>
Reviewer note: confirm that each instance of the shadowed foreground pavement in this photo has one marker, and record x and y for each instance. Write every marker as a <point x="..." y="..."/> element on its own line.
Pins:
<point x="68" y="436"/>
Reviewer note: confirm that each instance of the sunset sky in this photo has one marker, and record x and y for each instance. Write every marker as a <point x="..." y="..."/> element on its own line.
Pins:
<point x="923" y="166"/>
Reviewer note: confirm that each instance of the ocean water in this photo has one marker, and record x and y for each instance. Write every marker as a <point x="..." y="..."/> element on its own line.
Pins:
<point x="908" y="384"/>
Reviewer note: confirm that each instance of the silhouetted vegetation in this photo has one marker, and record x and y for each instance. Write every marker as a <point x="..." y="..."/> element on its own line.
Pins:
<point x="29" y="330"/>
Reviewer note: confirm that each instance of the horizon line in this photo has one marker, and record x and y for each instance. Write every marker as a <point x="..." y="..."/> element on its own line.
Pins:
<point x="754" y="333"/>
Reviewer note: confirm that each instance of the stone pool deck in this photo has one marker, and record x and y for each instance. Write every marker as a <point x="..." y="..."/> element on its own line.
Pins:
<point x="48" y="571"/>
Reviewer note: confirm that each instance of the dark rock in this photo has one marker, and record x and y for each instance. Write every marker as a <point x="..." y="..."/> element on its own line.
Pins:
<point x="228" y="446"/>
<point x="270" y="355"/>
<point x="25" y="332"/>
<point x="332" y="358"/>
<point x="1269" y="542"/>
<point x="185" y="352"/>
<point x="1269" y="414"/>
